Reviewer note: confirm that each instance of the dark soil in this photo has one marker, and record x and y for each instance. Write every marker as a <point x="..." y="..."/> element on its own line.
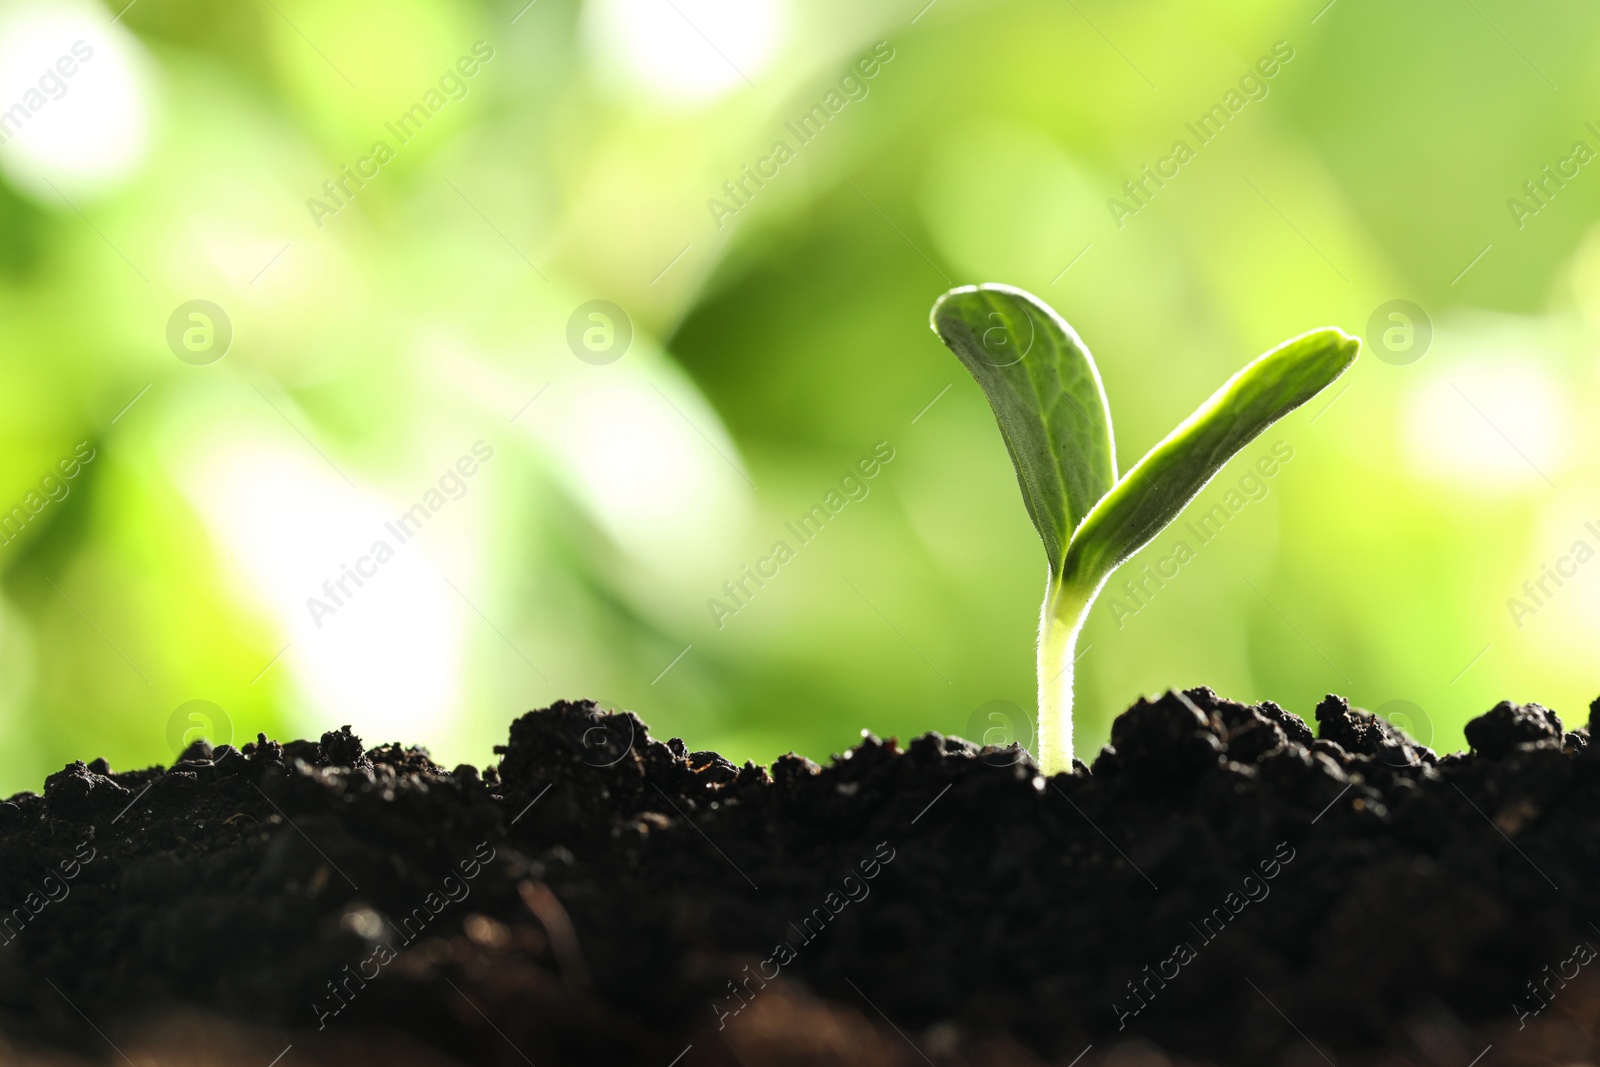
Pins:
<point x="1219" y="885"/>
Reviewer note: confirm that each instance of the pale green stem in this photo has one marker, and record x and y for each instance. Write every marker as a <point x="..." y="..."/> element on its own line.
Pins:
<point x="1060" y="619"/>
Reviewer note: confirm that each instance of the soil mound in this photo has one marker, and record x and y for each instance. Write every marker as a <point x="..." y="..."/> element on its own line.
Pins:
<point x="1220" y="884"/>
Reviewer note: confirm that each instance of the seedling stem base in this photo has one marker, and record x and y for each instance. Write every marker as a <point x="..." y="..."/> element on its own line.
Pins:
<point x="1060" y="621"/>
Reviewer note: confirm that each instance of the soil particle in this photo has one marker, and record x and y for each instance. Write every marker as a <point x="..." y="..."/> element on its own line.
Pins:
<point x="1222" y="887"/>
<point x="76" y="790"/>
<point x="344" y="748"/>
<point x="1508" y="725"/>
<point x="1362" y="733"/>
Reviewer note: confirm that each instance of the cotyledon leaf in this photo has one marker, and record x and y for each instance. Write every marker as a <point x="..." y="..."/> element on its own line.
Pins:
<point x="1157" y="488"/>
<point x="1046" y="394"/>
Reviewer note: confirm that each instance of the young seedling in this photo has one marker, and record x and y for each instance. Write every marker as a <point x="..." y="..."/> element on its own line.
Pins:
<point x="1046" y="394"/>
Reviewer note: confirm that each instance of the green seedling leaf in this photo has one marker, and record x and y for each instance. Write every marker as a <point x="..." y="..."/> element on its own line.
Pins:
<point x="1172" y="473"/>
<point x="1046" y="395"/>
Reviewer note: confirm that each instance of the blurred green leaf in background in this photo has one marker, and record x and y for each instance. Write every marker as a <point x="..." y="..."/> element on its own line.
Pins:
<point x="611" y="313"/>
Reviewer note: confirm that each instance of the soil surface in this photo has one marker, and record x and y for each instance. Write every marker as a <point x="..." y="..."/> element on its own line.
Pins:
<point x="1221" y="885"/>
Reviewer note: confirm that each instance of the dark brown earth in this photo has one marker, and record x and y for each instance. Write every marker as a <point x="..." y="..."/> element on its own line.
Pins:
<point x="1219" y="885"/>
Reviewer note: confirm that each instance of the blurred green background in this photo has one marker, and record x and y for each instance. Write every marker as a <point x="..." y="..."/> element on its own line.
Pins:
<point x="775" y="336"/>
